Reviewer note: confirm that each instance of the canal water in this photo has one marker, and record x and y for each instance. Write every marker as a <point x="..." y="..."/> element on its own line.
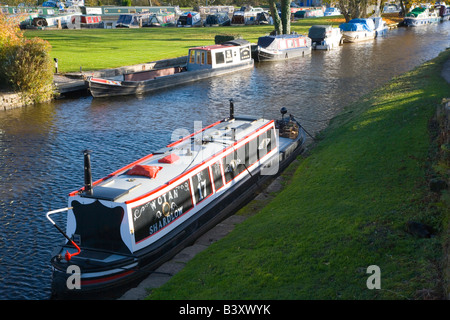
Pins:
<point x="41" y="147"/>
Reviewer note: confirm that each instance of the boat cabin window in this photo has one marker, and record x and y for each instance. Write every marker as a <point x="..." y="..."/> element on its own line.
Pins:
<point x="239" y="160"/>
<point x="217" y="175"/>
<point x="228" y="56"/>
<point x="234" y="164"/>
<point x="245" y="53"/>
<point x="220" y="58"/>
<point x="208" y="58"/>
<point x="201" y="183"/>
<point x="192" y="56"/>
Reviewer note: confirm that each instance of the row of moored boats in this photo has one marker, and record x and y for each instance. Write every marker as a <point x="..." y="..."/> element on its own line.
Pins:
<point x="125" y="225"/>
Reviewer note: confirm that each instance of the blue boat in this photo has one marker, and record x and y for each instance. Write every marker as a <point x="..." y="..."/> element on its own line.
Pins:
<point x="381" y="27"/>
<point x="358" y="30"/>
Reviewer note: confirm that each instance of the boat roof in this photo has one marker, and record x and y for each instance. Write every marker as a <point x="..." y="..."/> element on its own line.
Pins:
<point x="175" y="161"/>
<point x="225" y="45"/>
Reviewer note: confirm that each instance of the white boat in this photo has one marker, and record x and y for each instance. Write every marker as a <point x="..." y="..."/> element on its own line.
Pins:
<point x="325" y="37"/>
<point x="391" y="8"/>
<point x="332" y="12"/>
<point x="126" y="224"/>
<point x="203" y="62"/>
<point x="357" y="30"/>
<point x="381" y="27"/>
<point x="246" y="15"/>
<point x="420" y="16"/>
<point x="281" y="47"/>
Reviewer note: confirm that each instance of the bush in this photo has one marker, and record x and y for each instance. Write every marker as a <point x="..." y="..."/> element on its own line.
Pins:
<point x="25" y="65"/>
<point x="30" y="70"/>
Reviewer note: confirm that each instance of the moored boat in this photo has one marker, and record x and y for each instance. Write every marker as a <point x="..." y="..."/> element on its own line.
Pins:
<point x="358" y="30"/>
<point x="217" y="19"/>
<point x="324" y="37"/>
<point x="203" y="62"/>
<point x="444" y="11"/>
<point x="420" y="17"/>
<point x="190" y="19"/>
<point x="125" y="225"/>
<point x="380" y="26"/>
<point x="281" y="47"/>
<point x="332" y="12"/>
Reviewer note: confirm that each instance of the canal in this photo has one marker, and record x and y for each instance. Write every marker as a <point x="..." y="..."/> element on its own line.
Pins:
<point x="41" y="147"/>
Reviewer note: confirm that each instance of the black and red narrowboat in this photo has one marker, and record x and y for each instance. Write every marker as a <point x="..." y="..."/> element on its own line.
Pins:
<point x="128" y="223"/>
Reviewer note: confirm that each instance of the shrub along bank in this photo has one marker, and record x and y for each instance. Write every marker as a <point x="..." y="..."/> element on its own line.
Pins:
<point x="349" y="205"/>
<point x="25" y="64"/>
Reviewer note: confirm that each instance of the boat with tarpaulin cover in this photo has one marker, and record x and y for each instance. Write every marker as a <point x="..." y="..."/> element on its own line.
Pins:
<point x="281" y="47"/>
<point x="358" y="30"/>
<point x="324" y="37"/>
<point x="123" y="226"/>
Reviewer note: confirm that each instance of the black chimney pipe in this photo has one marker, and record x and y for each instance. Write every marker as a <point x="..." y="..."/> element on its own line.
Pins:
<point x="231" y="109"/>
<point x="87" y="172"/>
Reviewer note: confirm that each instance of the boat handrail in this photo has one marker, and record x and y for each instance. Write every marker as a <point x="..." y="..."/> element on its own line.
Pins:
<point x="68" y="255"/>
<point x="56" y="211"/>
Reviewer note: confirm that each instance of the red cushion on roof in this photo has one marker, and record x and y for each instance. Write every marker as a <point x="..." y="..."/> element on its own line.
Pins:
<point x="143" y="170"/>
<point x="171" y="158"/>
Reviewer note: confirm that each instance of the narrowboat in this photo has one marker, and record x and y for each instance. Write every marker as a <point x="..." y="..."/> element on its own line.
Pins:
<point x="125" y="225"/>
<point x="86" y="21"/>
<point x="420" y="17"/>
<point x="203" y="62"/>
<point x="358" y="30"/>
<point x="324" y="37"/>
<point x="280" y="47"/>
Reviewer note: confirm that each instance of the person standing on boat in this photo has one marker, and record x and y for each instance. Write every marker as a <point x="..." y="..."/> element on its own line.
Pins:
<point x="189" y="18"/>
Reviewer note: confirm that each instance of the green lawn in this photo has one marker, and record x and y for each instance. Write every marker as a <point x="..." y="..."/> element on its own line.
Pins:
<point x="95" y="49"/>
<point x="345" y="208"/>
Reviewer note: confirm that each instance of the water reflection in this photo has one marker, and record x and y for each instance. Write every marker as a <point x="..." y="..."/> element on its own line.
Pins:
<point x="40" y="147"/>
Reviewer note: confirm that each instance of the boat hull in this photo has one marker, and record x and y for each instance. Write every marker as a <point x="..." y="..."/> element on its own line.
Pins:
<point x="113" y="278"/>
<point x="106" y="88"/>
<point x="417" y="22"/>
<point x="358" y="36"/>
<point x="267" y="55"/>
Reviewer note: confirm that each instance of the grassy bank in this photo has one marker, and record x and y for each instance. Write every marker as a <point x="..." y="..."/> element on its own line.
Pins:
<point x="345" y="208"/>
<point x="94" y="49"/>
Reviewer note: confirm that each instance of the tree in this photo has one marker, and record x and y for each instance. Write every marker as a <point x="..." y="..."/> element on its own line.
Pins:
<point x="352" y="9"/>
<point x="282" y="24"/>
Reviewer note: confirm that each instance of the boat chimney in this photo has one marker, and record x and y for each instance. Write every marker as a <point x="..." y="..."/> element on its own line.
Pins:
<point x="283" y="111"/>
<point x="231" y="109"/>
<point x="87" y="172"/>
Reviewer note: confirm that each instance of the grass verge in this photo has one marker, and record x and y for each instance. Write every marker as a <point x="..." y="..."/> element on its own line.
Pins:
<point x="345" y="208"/>
<point x="94" y="49"/>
